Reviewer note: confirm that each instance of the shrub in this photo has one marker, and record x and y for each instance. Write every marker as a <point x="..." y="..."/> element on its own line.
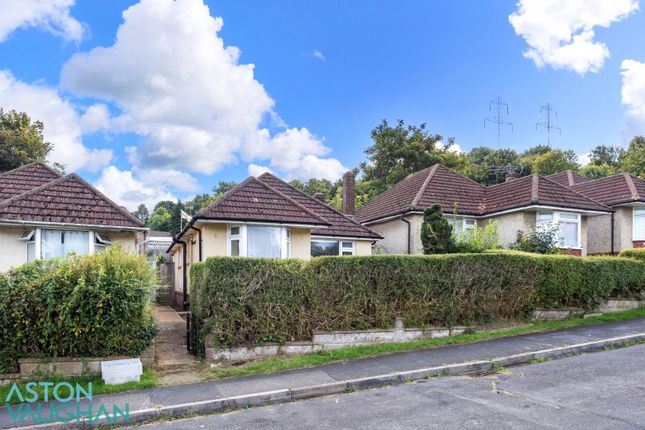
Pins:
<point x="89" y="306"/>
<point x="436" y="232"/>
<point x="479" y="239"/>
<point x="638" y="253"/>
<point x="541" y="241"/>
<point x="245" y="301"/>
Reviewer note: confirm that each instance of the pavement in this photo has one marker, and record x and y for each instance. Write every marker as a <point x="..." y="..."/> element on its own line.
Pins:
<point x="206" y="397"/>
<point x="605" y="390"/>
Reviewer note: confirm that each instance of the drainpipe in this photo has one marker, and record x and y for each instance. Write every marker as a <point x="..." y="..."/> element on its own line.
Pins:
<point x="612" y="233"/>
<point x="199" y="232"/>
<point x="409" y="233"/>
<point x="184" y="276"/>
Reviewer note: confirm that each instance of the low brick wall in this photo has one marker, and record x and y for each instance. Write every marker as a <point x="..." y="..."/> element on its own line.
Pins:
<point x="9" y="378"/>
<point x="63" y="366"/>
<point x="331" y="340"/>
<point x="617" y="305"/>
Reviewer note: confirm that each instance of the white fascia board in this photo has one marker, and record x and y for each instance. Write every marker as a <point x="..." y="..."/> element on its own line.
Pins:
<point x="71" y="226"/>
<point x="342" y="238"/>
<point x="274" y="224"/>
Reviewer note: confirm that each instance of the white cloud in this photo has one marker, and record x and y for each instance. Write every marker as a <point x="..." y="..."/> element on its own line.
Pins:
<point x="168" y="178"/>
<point x="561" y="33"/>
<point x="318" y="55"/>
<point x="633" y="95"/>
<point x="177" y="85"/>
<point x="122" y="187"/>
<point x="49" y="15"/>
<point x="95" y="118"/>
<point x="62" y="123"/>
<point x="256" y="170"/>
<point x="584" y="159"/>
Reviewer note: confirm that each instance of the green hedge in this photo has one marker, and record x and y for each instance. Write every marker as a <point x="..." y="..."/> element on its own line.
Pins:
<point x="245" y="301"/>
<point x="638" y="253"/>
<point x="90" y="306"/>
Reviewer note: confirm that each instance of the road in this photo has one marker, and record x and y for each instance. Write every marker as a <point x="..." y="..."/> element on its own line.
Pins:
<point x="597" y="391"/>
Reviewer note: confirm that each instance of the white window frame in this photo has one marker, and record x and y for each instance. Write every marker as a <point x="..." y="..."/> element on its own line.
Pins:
<point x="36" y="238"/>
<point x="340" y="243"/>
<point x="556" y="221"/>
<point x="640" y="215"/>
<point x="285" y="235"/>
<point x="461" y="225"/>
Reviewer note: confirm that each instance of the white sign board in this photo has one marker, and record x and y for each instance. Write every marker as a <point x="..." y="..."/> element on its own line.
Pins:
<point x="121" y="371"/>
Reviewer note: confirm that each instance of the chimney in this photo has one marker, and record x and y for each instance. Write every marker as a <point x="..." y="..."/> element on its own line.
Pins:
<point x="318" y="195"/>
<point x="349" y="193"/>
<point x="511" y="176"/>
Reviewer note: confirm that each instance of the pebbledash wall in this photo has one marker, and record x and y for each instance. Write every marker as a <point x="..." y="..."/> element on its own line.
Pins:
<point x="600" y="240"/>
<point x="14" y="250"/>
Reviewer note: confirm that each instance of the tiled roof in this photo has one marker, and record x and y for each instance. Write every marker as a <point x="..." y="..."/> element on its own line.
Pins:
<point x="568" y="178"/>
<point x="67" y="200"/>
<point x="438" y="184"/>
<point x="157" y="233"/>
<point x="613" y="190"/>
<point x="253" y="200"/>
<point x="535" y="190"/>
<point x="25" y="178"/>
<point x="341" y="225"/>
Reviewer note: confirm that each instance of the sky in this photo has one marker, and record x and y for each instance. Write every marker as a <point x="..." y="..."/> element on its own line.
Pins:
<point x="162" y="99"/>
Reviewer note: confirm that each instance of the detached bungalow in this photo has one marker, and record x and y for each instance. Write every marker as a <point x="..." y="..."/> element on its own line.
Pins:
<point x="267" y="217"/>
<point x="519" y="204"/>
<point x="44" y="214"/>
<point x="625" y="228"/>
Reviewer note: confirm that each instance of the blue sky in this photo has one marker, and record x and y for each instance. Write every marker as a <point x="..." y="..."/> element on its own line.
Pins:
<point x="171" y="112"/>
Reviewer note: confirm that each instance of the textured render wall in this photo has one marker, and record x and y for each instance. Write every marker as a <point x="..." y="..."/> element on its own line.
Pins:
<point x="363" y="247"/>
<point x="509" y="224"/>
<point x="301" y="243"/>
<point x="599" y="234"/>
<point x="584" y="233"/>
<point x="127" y="239"/>
<point x="13" y="251"/>
<point x="623" y="228"/>
<point x="395" y="236"/>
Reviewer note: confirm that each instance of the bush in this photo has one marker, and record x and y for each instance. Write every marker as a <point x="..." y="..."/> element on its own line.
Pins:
<point x="637" y="253"/>
<point x="436" y="232"/>
<point x="245" y="301"/>
<point x="89" y="306"/>
<point x="479" y="239"/>
<point x="541" y="241"/>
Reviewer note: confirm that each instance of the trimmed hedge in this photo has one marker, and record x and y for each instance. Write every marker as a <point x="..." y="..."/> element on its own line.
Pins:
<point x="637" y="253"/>
<point x="246" y="301"/>
<point x="89" y="306"/>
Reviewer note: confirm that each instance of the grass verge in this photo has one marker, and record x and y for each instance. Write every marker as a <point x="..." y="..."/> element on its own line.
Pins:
<point x="148" y="380"/>
<point x="277" y="364"/>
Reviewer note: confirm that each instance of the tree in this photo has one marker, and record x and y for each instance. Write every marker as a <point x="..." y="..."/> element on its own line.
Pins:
<point x="593" y="171"/>
<point x="197" y="203"/>
<point x="21" y="140"/>
<point x="222" y="188"/>
<point x="311" y="186"/>
<point x="633" y="159"/>
<point x="161" y="219"/>
<point x="605" y="155"/>
<point x="555" y="161"/>
<point x="527" y="158"/>
<point x="142" y="213"/>
<point x="484" y="160"/>
<point x="436" y="232"/>
<point x="402" y="150"/>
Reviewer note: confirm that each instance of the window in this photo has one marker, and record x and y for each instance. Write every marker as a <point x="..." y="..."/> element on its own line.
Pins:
<point x="101" y="242"/>
<point x="29" y="236"/>
<point x="259" y="241"/>
<point x="58" y="243"/>
<point x="568" y="227"/>
<point x="321" y="247"/>
<point x="461" y="225"/>
<point x="639" y="224"/>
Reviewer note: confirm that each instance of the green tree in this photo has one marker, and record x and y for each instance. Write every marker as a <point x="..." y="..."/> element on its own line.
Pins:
<point x="221" y="188"/>
<point x="142" y="213"/>
<point x="527" y="158"/>
<point x="436" y="232"/>
<point x="311" y="186"/>
<point x="197" y="203"/>
<point x="605" y="155"/>
<point x="161" y="219"/>
<point x="593" y="171"/>
<point x="484" y="162"/>
<point x="401" y="150"/>
<point x="633" y="159"/>
<point x="555" y="161"/>
<point x="21" y="140"/>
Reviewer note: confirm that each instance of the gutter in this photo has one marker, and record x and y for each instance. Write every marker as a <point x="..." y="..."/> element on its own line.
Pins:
<point x="409" y="233"/>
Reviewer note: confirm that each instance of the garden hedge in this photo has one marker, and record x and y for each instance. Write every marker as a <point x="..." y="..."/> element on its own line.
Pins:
<point x="89" y="306"/>
<point x="638" y="253"/>
<point x="247" y="301"/>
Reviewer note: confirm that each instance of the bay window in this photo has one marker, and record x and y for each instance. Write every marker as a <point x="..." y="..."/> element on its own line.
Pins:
<point x="258" y="241"/>
<point x="639" y="224"/>
<point x="323" y="247"/>
<point x="567" y="226"/>
<point x="42" y="244"/>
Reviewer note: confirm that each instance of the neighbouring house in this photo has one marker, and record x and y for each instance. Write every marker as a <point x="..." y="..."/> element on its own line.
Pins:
<point x="624" y="228"/>
<point x="156" y="243"/>
<point x="519" y="204"/>
<point x="267" y="217"/>
<point x="44" y="214"/>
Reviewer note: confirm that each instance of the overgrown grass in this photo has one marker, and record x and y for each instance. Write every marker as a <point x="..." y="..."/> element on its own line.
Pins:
<point x="277" y="364"/>
<point x="148" y="380"/>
